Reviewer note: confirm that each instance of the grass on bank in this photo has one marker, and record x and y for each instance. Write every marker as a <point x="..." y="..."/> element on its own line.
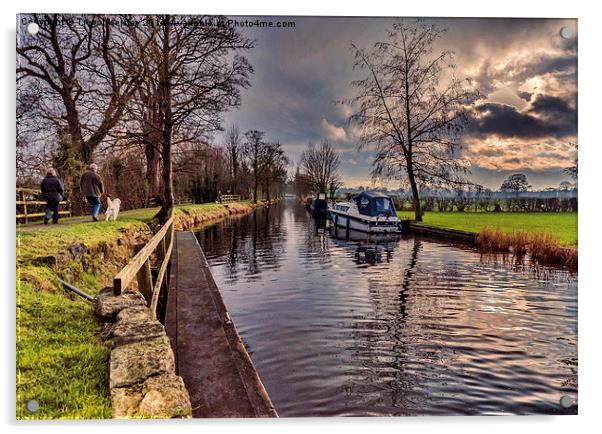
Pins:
<point x="563" y="226"/>
<point x="61" y="362"/>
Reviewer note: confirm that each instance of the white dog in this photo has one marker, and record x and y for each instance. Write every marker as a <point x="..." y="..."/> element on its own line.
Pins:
<point x="112" y="209"/>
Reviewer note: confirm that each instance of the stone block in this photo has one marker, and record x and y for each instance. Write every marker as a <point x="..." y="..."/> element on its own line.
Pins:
<point x="134" y="362"/>
<point x="165" y="397"/>
<point x="109" y="305"/>
<point x="133" y="325"/>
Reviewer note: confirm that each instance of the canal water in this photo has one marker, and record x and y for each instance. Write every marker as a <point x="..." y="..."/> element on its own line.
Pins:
<point x="405" y="326"/>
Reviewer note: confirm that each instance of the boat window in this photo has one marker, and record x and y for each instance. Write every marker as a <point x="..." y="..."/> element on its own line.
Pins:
<point x="383" y="204"/>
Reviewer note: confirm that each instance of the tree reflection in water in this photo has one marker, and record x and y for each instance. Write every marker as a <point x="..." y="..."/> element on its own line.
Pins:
<point x="348" y="324"/>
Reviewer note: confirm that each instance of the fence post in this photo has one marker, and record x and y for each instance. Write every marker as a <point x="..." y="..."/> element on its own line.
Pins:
<point x="145" y="281"/>
<point x="162" y="251"/>
<point x="24" y="205"/>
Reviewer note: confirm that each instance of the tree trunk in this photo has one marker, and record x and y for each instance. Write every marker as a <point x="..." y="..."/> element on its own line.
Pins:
<point x="256" y="183"/>
<point x="267" y="190"/>
<point x="152" y="132"/>
<point x="166" y="210"/>
<point x="234" y="162"/>
<point x="153" y="163"/>
<point x="415" y="195"/>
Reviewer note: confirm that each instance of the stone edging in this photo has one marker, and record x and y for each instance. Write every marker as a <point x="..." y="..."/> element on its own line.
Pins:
<point x="142" y="376"/>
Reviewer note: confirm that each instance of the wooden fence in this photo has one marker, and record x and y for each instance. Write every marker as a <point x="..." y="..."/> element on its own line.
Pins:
<point x="152" y="287"/>
<point x="29" y="198"/>
<point x="228" y="198"/>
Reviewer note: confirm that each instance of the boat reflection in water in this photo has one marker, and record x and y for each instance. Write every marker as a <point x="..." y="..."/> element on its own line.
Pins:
<point x="370" y="248"/>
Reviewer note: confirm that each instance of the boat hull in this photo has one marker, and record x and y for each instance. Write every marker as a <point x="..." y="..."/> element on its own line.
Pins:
<point x="363" y="225"/>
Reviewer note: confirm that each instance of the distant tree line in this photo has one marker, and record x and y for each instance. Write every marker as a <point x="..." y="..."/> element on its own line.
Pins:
<point x="514" y="195"/>
<point x="486" y="203"/>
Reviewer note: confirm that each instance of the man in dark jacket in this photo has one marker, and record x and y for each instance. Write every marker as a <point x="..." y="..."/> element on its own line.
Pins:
<point x="91" y="187"/>
<point x="52" y="192"/>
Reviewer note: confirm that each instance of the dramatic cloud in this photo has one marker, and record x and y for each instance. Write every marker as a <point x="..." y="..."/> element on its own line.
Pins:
<point x="552" y="106"/>
<point x="525" y="70"/>
<point x="547" y="116"/>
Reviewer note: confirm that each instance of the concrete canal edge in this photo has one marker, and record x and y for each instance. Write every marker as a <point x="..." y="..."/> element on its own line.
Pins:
<point x="453" y="234"/>
<point x="210" y="355"/>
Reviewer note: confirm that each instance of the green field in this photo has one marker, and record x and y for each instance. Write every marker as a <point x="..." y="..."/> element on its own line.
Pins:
<point x="562" y="225"/>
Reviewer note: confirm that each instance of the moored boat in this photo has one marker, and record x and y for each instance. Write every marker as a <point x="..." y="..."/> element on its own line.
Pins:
<point x="369" y="211"/>
<point x="318" y="207"/>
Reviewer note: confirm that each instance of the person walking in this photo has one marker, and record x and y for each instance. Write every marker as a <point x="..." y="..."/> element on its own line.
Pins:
<point x="52" y="192"/>
<point x="91" y="187"/>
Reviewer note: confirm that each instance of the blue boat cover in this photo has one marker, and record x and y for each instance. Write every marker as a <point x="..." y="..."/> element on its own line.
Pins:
<point x="375" y="204"/>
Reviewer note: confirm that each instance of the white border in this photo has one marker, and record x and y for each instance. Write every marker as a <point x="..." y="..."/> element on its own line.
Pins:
<point x="590" y="288"/>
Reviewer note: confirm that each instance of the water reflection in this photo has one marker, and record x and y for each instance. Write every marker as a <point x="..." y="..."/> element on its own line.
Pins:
<point x="370" y="249"/>
<point x="346" y="324"/>
<point x="250" y="244"/>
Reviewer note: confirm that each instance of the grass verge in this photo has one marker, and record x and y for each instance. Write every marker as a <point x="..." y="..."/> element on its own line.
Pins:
<point x="562" y="226"/>
<point x="61" y="362"/>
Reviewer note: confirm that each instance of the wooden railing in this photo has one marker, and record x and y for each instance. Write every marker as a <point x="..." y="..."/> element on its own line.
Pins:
<point x="24" y="199"/>
<point x="161" y="245"/>
<point x="228" y="198"/>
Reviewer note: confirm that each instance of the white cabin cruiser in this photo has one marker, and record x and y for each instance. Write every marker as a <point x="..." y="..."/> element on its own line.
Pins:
<point x="369" y="211"/>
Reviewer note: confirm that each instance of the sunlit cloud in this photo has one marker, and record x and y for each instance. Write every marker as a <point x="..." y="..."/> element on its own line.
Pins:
<point x="333" y="132"/>
<point x="511" y="154"/>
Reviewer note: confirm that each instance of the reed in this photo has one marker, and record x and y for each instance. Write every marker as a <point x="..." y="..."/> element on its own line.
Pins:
<point x="542" y="247"/>
<point x="494" y="240"/>
<point x="519" y="241"/>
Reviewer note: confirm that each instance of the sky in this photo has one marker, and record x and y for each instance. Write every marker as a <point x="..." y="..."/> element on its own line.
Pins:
<point x="525" y="70"/>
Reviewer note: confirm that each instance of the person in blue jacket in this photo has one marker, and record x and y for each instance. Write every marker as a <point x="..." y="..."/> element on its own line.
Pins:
<point x="52" y="192"/>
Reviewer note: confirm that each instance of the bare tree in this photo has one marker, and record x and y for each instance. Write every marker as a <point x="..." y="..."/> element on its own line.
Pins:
<point x="414" y="120"/>
<point x="87" y="69"/>
<point x="320" y="165"/>
<point x="516" y="183"/>
<point x="33" y="134"/>
<point x="565" y="186"/>
<point x="254" y="150"/>
<point x="197" y="72"/>
<point x="149" y="132"/>
<point x="274" y="166"/>
<point x="301" y="183"/>
<point x="200" y="172"/>
<point x="233" y="145"/>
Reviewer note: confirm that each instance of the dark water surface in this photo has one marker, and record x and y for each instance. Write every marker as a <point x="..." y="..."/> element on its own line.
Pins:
<point x="409" y="326"/>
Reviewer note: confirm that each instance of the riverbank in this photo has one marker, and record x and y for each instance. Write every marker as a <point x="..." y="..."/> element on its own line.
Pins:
<point x="563" y="226"/>
<point x="61" y="362"/>
<point x="548" y="238"/>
